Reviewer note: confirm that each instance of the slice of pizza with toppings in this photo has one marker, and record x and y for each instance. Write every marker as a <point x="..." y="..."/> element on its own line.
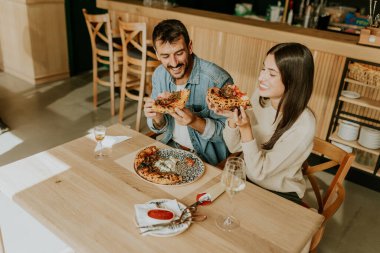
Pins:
<point x="147" y="155"/>
<point x="148" y="165"/>
<point x="228" y="97"/>
<point x="176" y="99"/>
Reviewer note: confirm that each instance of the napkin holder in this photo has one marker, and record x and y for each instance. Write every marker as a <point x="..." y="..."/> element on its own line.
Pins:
<point x="370" y="36"/>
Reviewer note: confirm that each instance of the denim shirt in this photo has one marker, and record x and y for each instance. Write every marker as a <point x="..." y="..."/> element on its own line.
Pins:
<point x="204" y="75"/>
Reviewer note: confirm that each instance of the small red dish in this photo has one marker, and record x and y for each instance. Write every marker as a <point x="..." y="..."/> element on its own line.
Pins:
<point x="161" y="214"/>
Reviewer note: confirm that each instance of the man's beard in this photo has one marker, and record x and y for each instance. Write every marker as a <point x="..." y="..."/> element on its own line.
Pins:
<point x="180" y="65"/>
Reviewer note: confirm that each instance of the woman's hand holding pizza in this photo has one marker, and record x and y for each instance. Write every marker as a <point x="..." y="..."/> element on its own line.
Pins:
<point x="242" y="121"/>
<point x="239" y="119"/>
<point x="224" y="113"/>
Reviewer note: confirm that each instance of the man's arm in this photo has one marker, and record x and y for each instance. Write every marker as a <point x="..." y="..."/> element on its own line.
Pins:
<point x="157" y="122"/>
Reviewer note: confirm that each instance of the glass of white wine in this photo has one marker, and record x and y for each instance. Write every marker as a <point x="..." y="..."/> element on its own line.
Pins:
<point x="234" y="180"/>
<point x="100" y="133"/>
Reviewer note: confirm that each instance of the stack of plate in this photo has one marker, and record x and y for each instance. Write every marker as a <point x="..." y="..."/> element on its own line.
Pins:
<point x="342" y="146"/>
<point x="369" y="138"/>
<point x="348" y="130"/>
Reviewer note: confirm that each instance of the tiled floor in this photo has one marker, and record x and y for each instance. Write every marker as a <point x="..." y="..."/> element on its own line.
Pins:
<point x="45" y="116"/>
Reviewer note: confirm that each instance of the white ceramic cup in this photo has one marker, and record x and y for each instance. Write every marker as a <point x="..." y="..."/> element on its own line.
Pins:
<point x="348" y="130"/>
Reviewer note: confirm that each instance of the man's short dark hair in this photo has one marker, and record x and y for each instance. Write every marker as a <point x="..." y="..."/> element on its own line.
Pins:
<point x="170" y="30"/>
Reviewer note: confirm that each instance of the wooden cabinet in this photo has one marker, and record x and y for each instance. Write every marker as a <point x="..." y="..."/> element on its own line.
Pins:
<point x="33" y="40"/>
<point x="364" y="110"/>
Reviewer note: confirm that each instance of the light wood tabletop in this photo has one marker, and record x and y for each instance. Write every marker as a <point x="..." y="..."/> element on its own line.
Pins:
<point x="89" y="203"/>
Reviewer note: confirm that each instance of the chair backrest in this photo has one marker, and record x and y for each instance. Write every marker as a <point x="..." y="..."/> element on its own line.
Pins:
<point x="133" y="38"/>
<point x="333" y="197"/>
<point x="99" y="29"/>
<point x="138" y="65"/>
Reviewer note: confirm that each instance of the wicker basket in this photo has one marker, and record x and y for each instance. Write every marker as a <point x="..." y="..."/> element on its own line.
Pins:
<point x="364" y="73"/>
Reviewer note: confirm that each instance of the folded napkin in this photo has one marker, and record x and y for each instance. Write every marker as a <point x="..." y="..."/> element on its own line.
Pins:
<point x="143" y="219"/>
<point x="108" y="141"/>
<point x="212" y="193"/>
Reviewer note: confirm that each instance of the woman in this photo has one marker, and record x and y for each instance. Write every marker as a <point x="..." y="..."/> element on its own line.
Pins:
<point x="276" y="134"/>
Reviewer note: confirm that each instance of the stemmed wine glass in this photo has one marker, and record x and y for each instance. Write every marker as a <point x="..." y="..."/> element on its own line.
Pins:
<point x="233" y="178"/>
<point x="100" y="133"/>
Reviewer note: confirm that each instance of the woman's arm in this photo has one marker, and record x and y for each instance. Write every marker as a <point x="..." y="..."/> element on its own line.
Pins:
<point x="290" y="151"/>
<point x="232" y="138"/>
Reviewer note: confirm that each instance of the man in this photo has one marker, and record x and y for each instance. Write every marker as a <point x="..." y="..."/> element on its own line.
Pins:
<point x="194" y="128"/>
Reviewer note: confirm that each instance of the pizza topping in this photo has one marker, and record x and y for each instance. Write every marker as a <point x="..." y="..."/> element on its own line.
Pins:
<point x="226" y="91"/>
<point x="230" y="91"/>
<point x="173" y="97"/>
<point x="189" y="161"/>
<point x="167" y="165"/>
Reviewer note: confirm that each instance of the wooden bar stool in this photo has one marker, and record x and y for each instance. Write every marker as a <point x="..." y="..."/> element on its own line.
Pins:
<point x="139" y="62"/>
<point x="2" y="249"/>
<point x="106" y="51"/>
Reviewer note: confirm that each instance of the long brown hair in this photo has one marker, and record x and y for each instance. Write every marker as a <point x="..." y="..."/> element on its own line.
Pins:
<point x="296" y="66"/>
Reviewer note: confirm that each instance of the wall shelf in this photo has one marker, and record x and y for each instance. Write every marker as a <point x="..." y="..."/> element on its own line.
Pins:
<point x="362" y="101"/>
<point x="353" y="144"/>
<point x="363" y="111"/>
<point x="352" y="81"/>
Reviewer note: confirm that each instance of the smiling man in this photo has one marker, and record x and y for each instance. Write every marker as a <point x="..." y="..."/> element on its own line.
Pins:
<point x="195" y="127"/>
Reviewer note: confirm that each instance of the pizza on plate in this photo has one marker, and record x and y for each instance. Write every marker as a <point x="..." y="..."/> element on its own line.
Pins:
<point x="150" y="166"/>
<point x="228" y="97"/>
<point x="176" y="99"/>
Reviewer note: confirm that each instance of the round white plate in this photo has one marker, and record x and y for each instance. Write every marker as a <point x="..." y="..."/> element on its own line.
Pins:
<point x="350" y="94"/>
<point x="171" y="230"/>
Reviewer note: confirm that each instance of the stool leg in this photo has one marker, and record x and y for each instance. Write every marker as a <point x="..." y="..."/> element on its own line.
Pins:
<point x="94" y="81"/>
<point x="2" y="249"/>
<point x="112" y="85"/>
<point x="140" y="101"/>
<point x="122" y="100"/>
<point x="112" y="92"/>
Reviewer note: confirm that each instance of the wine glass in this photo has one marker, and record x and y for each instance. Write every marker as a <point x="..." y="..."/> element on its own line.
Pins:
<point x="233" y="178"/>
<point x="100" y="133"/>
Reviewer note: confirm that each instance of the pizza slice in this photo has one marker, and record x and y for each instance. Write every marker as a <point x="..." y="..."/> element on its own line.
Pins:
<point x="146" y="165"/>
<point x="176" y="99"/>
<point x="228" y="97"/>
<point x="147" y="155"/>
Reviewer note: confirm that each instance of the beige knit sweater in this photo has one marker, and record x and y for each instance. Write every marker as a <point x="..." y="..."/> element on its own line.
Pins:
<point x="279" y="169"/>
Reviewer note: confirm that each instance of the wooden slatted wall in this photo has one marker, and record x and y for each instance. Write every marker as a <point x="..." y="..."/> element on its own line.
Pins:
<point x="243" y="56"/>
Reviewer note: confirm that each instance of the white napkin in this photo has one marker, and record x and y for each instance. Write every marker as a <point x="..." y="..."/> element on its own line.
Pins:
<point x="143" y="219"/>
<point x="108" y="141"/>
<point x="213" y="193"/>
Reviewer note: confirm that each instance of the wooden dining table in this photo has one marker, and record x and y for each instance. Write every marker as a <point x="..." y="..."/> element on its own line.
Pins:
<point x="89" y="203"/>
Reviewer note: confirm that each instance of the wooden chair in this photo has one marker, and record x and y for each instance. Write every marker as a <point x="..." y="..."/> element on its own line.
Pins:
<point x="330" y="201"/>
<point x="139" y="62"/>
<point x="2" y="249"/>
<point x="105" y="50"/>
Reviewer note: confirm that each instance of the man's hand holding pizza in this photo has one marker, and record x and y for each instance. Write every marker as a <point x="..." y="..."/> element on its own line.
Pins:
<point x="185" y="117"/>
<point x="158" y="118"/>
